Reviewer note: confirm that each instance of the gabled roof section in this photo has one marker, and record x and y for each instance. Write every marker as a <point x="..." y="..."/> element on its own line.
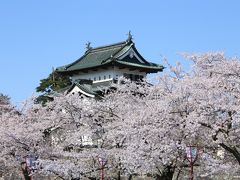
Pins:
<point x="94" y="57"/>
<point x="101" y="86"/>
<point x="83" y="89"/>
<point x="120" y="53"/>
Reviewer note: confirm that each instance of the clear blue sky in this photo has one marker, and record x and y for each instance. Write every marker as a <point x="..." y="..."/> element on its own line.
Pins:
<point x="38" y="35"/>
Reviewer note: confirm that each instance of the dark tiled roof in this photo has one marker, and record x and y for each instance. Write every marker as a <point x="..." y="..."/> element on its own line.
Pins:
<point x="100" y="56"/>
<point x="151" y="66"/>
<point x="92" y="89"/>
<point x="94" y="57"/>
<point x="99" y="86"/>
<point x="83" y="87"/>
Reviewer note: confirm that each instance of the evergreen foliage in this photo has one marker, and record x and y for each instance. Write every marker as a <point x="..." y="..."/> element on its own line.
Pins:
<point x="53" y="83"/>
<point x="5" y="105"/>
<point x="4" y="99"/>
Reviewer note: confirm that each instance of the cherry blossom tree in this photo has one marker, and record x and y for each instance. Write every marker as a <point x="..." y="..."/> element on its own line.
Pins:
<point x="9" y="117"/>
<point x="195" y="108"/>
<point x="204" y="104"/>
<point x="215" y="90"/>
<point x="139" y="128"/>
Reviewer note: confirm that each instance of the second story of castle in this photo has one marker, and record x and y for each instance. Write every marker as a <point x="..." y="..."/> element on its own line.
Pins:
<point x="107" y="63"/>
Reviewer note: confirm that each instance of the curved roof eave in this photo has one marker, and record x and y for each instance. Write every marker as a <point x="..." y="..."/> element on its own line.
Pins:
<point x="158" y="67"/>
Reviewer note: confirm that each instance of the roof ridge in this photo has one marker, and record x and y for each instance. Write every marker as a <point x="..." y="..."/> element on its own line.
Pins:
<point x="79" y="59"/>
<point x="112" y="55"/>
<point x="107" y="46"/>
<point x="96" y="49"/>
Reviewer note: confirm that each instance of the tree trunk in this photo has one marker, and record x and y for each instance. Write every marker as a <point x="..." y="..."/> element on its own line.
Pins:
<point x="118" y="175"/>
<point x="25" y="171"/>
<point x="130" y="177"/>
<point x="167" y="174"/>
<point x="232" y="150"/>
<point x="26" y="175"/>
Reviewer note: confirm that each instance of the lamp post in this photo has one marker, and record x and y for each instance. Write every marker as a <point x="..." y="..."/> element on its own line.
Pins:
<point x="192" y="154"/>
<point x="102" y="161"/>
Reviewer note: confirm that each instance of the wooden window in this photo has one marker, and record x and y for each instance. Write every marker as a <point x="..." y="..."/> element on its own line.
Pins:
<point x="94" y="79"/>
<point x="104" y="77"/>
<point x="99" y="78"/>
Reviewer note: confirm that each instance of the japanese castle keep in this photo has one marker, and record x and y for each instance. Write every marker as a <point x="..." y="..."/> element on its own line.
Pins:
<point x="101" y="66"/>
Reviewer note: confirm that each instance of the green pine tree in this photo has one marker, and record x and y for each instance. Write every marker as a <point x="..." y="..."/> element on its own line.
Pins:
<point x="53" y="83"/>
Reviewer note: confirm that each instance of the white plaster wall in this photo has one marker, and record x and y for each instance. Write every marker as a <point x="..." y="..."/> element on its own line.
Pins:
<point x="91" y="74"/>
<point x="114" y="73"/>
<point x="119" y="72"/>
